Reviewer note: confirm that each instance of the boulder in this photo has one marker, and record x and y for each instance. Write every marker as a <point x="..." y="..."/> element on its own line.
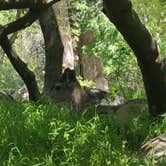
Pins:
<point x="92" y="70"/>
<point x="21" y="93"/>
<point x="155" y="148"/>
<point x="126" y="112"/>
<point x="130" y="110"/>
<point x="95" y="95"/>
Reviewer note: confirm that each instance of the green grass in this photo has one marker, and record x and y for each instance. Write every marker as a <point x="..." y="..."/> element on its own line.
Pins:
<point x="49" y="135"/>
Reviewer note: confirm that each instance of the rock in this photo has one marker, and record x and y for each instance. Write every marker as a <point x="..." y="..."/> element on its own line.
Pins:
<point x="124" y="112"/>
<point x="101" y="82"/>
<point x="130" y="110"/>
<point x="95" y="95"/>
<point x="21" y="93"/>
<point x="117" y="100"/>
<point x="92" y="70"/>
<point x="155" y="147"/>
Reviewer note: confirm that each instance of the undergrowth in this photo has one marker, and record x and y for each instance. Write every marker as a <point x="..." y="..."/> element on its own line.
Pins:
<point x="44" y="134"/>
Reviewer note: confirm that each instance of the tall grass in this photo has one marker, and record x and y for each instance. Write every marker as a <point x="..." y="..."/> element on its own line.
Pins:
<point x="50" y="135"/>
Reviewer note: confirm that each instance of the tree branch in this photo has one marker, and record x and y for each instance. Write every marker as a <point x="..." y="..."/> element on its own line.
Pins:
<point x="20" y="23"/>
<point x="20" y="4"/>
<point x="22" y="69"/>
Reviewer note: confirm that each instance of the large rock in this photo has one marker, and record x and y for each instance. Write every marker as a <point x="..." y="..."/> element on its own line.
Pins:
<point x="155" y="147"/>
<point x="92" y="70"/>
<point x="21" y="94"/>
<point x="95" y="95"/>
<point x="126" y="112"/>
<point x="130" y="110"/>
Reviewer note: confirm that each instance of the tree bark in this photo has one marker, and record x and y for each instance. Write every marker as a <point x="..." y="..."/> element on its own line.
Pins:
<point x="61" y="11"/>
<point x="22" y="69"/>
<point x="121" y="13"/>
<point x="53" y="49"/>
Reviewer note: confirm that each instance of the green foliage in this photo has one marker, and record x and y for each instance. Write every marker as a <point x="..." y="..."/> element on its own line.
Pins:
<point x="119" y="61"/>
<point x="7" y="16"/>
<point x="152" y="14"/>
<point x="48" y="135"/>
<point x="9" y="79"/>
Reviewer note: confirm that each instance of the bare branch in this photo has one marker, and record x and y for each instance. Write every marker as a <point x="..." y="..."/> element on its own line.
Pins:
<point x="20" y="4"/>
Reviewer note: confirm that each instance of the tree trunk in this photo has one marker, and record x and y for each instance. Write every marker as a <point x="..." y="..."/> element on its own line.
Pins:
<point x="53" y="49"/>
<point x="140" y="40"/>
<point x="61" y="11"/>
<point x="22" y="69"/>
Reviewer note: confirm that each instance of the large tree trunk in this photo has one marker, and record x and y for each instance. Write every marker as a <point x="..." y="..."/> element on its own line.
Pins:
<point x="58" y="45"/>
<point x="61" y="11"/>
<point x="53" y="49"/>
<point x="22" y="69"/>
<point x="121" y="13"/>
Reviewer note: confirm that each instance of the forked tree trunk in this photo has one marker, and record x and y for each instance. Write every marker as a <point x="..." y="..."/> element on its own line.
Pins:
<point x="126" y="20"/>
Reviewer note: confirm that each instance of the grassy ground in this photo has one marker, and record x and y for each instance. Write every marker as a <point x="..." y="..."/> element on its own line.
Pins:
<point x="43" y="134"/>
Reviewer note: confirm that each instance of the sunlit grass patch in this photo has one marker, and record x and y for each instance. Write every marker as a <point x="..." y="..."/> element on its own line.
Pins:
<point x="48" y="134"/>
